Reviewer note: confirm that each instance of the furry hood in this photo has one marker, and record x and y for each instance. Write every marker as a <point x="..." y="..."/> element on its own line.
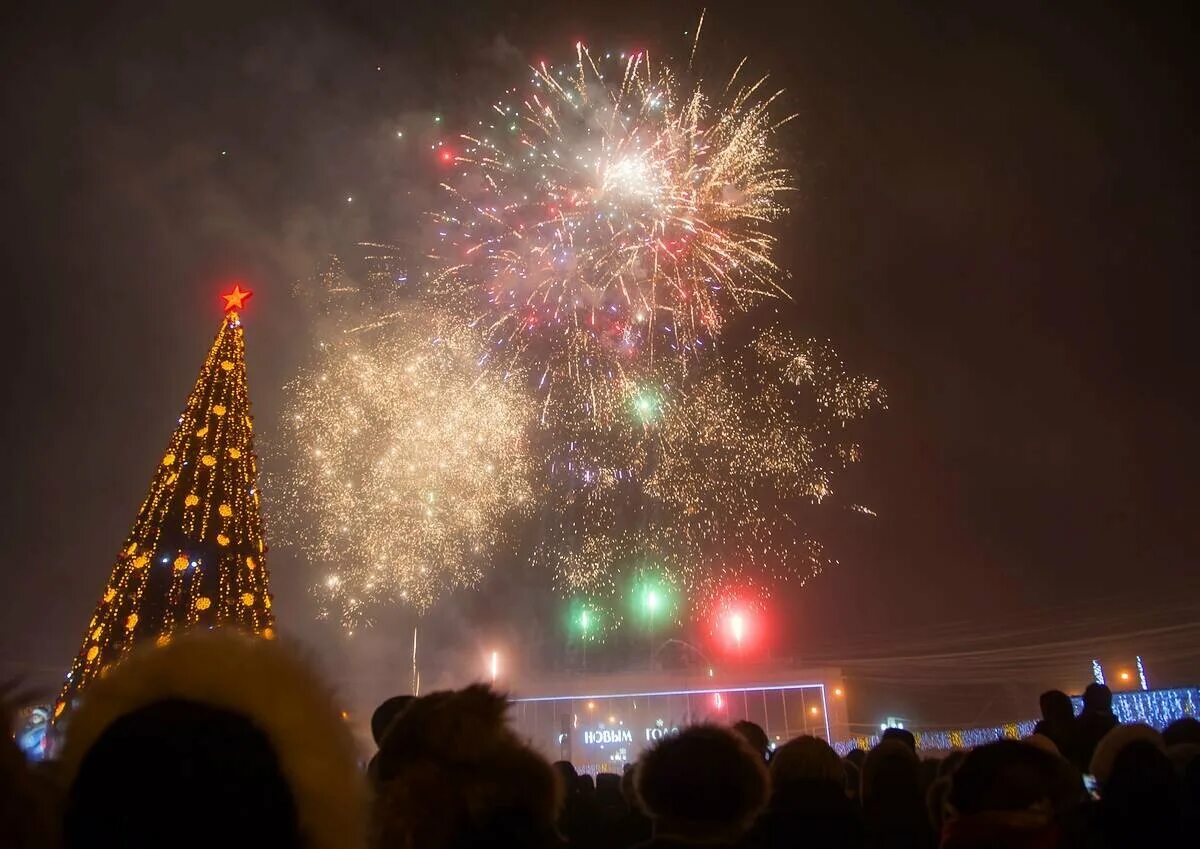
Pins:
<point x="704" y="781"/>
<point x="258" y="679"/>
<point x="453" y="773"/>
<point x="1114" y="741"/>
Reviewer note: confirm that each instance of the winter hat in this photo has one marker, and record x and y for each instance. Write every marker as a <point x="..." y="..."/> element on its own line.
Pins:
<point x="705" y="780"/>
<point x="1114" y="741"/>
<point x="453" y="774"/>
<point x="807" y="759"/>
<point x="1041" y="741"/>
<point x="222" y="738"/>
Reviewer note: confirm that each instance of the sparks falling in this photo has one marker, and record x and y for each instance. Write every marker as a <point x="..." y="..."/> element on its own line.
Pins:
<point x="705" y="490"/>
<point x="404" y="459"/>
<point x="605" y="219"/>
<point x="558" y="369"/>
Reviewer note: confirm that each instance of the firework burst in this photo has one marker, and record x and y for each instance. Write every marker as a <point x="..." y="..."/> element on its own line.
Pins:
<point x="405" y="463"/>
<point x="560" y="366"/>
<point x="605" y="219"/>
<point x="705" y="487"/>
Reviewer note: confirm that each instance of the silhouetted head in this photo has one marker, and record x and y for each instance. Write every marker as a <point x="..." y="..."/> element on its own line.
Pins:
<point x="383" y="716"/>
<point x="137" y="783"/>
<point x="215" y="739"/>
<point x="753" y="734"/>
<point x="891" y="773"/>
<point x="1011" y="775"/>
<point x="705" y="782"/>
<point x="1041" y="741"/>
<point x="1143" y="800"/>
<point x="453" y="775"/>
<point x="856" y="756"/>
<point x="1183" y="755"/>
<point x="1009" y="793"/>
<point x="608" y="788"/>
<point x="1185" y="730"/>
<point x="1056" y="706"/>
<point x="1097" y="698"/>
<point x="1112" y="743"/>
<point x="902" y="734"/>
<point x="893" y="800"/>
<point x="806" y="759"/>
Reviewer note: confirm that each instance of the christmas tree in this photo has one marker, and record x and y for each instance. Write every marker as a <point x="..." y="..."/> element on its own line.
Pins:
<point x="195" y="555"/>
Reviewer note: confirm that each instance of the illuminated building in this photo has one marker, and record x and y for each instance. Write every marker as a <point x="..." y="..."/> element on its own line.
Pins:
<point x="602" y="722"/>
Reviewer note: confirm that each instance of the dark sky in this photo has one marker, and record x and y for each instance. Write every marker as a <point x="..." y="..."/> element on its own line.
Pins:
<point x="996" y="216"/>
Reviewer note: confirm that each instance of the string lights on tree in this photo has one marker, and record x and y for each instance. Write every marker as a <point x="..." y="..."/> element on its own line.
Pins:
<point x="195" y="556"/>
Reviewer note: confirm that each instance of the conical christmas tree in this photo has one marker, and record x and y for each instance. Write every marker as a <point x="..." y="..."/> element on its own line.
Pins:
<point x="195" y="555"/>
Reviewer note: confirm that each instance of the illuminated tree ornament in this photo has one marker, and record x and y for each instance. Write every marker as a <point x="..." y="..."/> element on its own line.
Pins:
<point x="236" y="298"/>
<point x="181" y="566"/>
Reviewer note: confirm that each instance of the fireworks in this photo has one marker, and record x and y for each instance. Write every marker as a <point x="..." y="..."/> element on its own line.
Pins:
<point x="706" y="489"/>
<point x="405" y="460"/>
<point x="605" y="219"/>
<point x="559" y="371"/>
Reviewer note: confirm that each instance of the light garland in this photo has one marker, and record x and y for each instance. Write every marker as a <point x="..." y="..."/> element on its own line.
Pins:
<point x="1156" y="708"/>
<point x="195" y="556"/>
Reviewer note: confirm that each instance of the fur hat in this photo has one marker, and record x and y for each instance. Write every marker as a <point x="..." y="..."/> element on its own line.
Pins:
<point x="889" y="768"/>
<point x="452" y="773"/>
<point x="385" y="714"/>
<point x="753" y="734"/>
<point x="208" y="683"/>
<point x="1041" y="741"/>
<point x="807" y="758"/>
<point x="705" y="780"/>
<point x="1114" y="741"/>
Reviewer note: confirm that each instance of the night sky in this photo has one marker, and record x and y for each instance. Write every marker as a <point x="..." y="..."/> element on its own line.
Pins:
<point x="996" y="217"/>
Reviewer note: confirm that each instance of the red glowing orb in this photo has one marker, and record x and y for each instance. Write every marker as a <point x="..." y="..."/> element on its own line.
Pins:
<point x="737" y="622"/>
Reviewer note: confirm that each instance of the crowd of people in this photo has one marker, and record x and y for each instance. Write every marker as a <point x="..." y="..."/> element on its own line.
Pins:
<point x="216" y="740"/>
